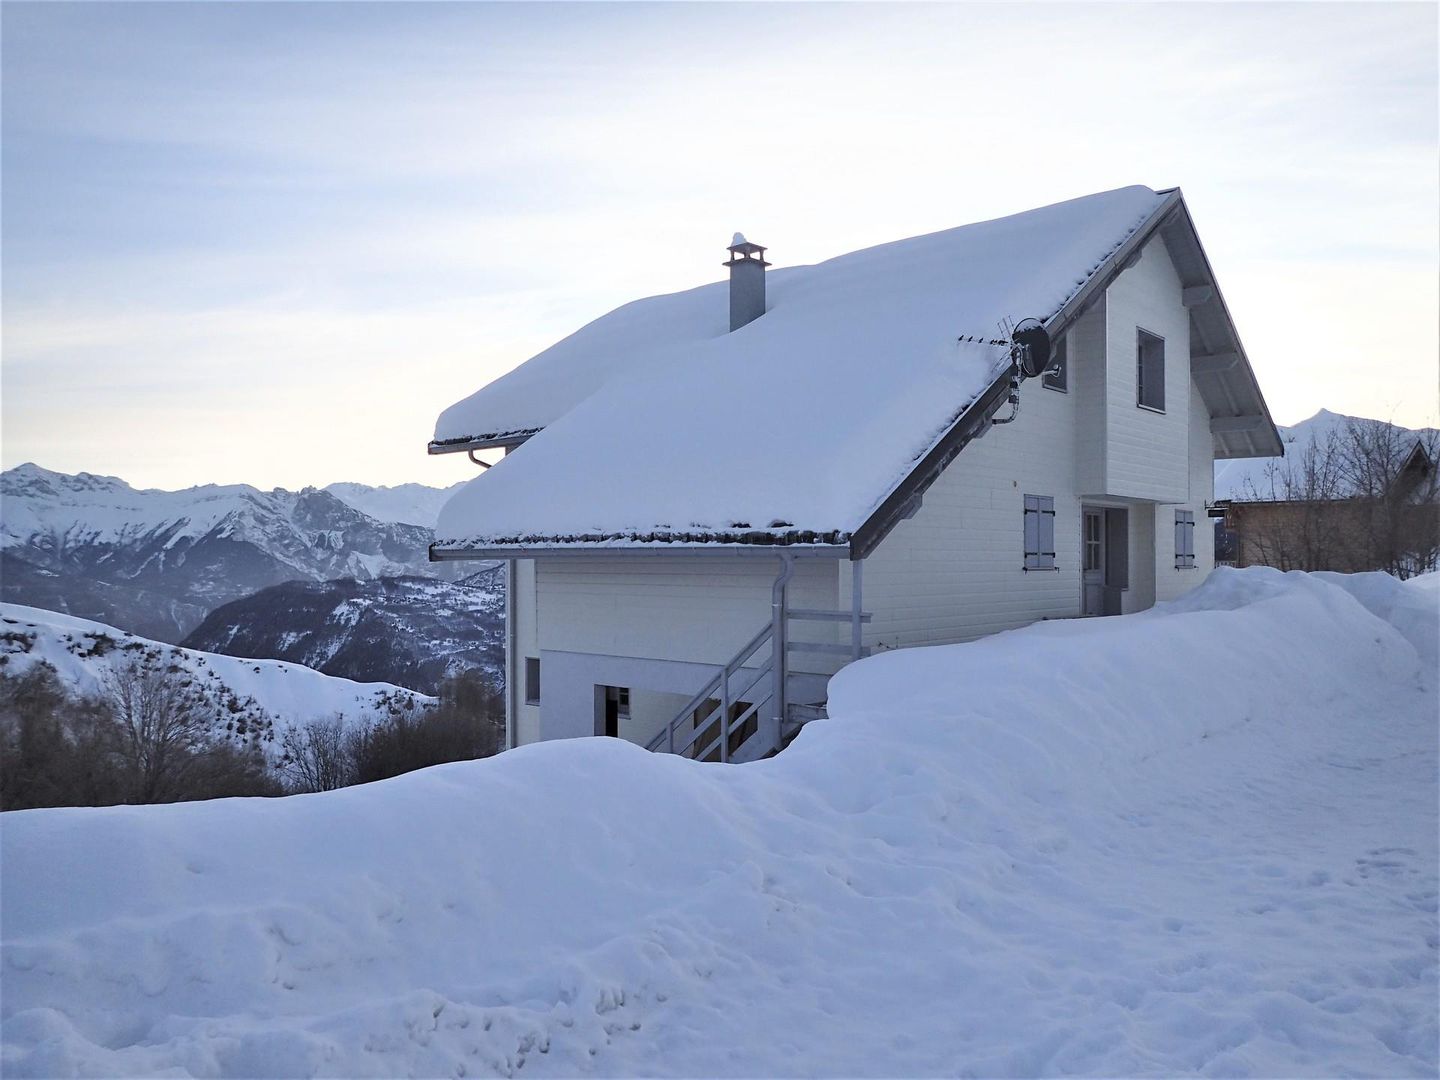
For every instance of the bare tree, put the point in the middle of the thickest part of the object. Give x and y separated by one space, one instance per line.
1392 474
161 725
1296 529
317 756
1360 497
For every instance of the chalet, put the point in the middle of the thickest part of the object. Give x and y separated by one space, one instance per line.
710 501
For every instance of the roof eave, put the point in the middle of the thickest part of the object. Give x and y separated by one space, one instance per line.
1262 436
541 550
507 440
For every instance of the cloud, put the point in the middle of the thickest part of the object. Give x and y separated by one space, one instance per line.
320 224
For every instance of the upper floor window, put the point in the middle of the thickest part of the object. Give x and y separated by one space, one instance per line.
1184 539
532 680
1039 532
1058 377
1150 370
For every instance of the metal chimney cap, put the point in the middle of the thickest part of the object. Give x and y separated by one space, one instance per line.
743 251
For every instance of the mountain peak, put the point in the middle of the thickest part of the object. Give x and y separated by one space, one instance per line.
32 479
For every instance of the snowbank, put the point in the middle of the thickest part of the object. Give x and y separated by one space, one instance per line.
1200 840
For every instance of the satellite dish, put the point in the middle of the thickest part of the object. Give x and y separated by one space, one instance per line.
1030 348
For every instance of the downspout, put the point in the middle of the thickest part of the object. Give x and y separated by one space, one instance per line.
779 645
857 607
511 637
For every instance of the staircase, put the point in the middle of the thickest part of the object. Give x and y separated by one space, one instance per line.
734 716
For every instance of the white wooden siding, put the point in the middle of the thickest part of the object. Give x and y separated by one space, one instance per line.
672 607
1146 452
1141 593
1169 581
1087 387
955 571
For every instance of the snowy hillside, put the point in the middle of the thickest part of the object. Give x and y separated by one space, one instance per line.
264 696
155 562
414 632
1242 478
1197 840
410 504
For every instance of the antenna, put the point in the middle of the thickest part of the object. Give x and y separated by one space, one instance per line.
1028 342
1030 348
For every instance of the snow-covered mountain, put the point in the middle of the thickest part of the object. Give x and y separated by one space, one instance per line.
156 562
410 631
1242 478
409 504
254 700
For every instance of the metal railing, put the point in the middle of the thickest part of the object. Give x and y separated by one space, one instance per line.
725 718
716 729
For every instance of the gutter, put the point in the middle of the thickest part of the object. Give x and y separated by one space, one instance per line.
506 440
638 547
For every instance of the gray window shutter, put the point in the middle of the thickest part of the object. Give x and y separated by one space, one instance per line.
1184 538
1032 529
1047 531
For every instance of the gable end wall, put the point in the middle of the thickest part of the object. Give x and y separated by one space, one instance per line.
1147 452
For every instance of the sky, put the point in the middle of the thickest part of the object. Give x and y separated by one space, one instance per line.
268 243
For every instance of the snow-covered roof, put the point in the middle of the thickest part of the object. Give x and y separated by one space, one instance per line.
659 425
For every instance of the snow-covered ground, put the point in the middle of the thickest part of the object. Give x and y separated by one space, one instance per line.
1198 840
270 695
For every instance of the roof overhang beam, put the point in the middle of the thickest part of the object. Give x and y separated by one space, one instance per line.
1221 425
1213 363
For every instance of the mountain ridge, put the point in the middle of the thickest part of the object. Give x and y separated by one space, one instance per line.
156 562
414 632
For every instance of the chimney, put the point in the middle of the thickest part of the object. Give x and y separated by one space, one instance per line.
747 281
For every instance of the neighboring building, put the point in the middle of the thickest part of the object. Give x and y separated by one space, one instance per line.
706 518
1349 495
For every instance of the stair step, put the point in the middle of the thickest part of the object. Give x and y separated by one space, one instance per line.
813 615
803 714
826 647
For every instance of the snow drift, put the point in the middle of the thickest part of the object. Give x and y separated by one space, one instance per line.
1201 839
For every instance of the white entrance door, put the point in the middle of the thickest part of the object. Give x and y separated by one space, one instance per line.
1092 547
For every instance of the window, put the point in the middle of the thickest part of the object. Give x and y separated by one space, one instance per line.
532 680
1184 539
1150 371
1094 540
614 708
1039 532
1058 378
